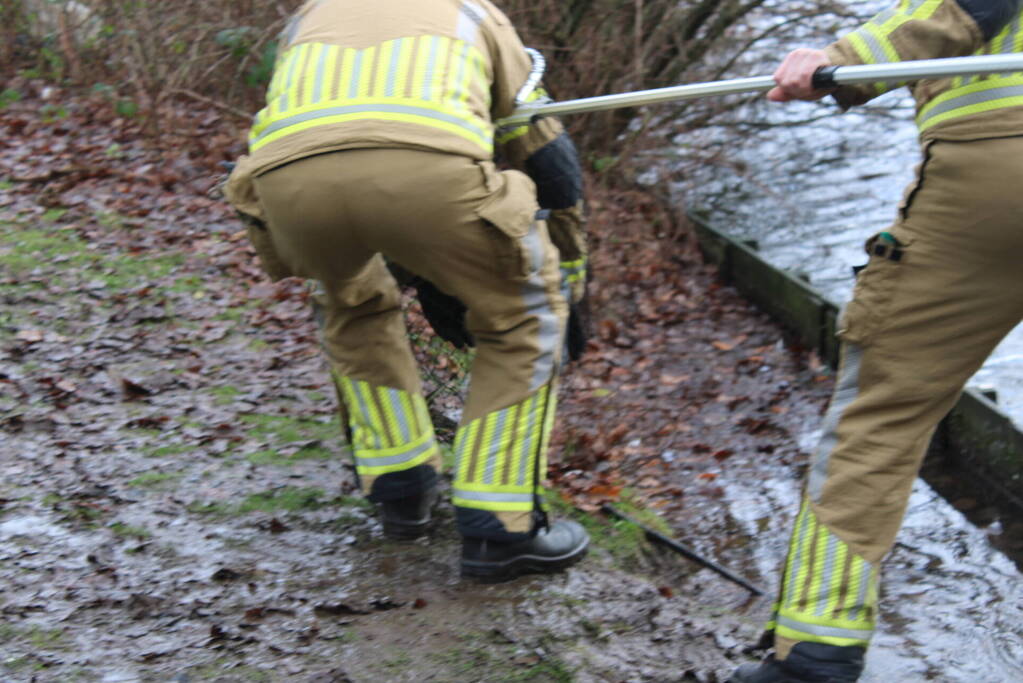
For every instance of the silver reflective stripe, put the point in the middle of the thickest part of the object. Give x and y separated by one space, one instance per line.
970 99
797 555
827 583
866 575
293 59
882 18
366 405
431 66
1010 40
398 411
537 302
846 391
493 449
353 85
470 16
876 49
321 66
392 69
915 5
825 631
372 109
387 461
490 497
527 439
463 60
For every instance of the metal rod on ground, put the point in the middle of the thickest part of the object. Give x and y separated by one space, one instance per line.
829 77
609 509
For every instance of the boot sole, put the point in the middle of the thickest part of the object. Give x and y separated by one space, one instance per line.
497 572
405 531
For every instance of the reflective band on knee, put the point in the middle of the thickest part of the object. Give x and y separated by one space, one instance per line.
500 456
391 429
828 593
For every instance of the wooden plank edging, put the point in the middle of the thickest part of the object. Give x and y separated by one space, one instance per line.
976 434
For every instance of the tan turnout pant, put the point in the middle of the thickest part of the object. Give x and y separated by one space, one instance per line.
943 286
473 232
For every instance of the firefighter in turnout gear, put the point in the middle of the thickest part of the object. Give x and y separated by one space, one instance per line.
377 146
940 290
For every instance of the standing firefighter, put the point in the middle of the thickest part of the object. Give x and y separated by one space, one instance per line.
377 143
941 289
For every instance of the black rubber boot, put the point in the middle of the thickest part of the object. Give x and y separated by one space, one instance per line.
406 519
806 663
551 549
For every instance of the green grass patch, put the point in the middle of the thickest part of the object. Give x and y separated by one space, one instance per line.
129 531
625 542
281 430
163 451
36 636
290 499
477 653
52 249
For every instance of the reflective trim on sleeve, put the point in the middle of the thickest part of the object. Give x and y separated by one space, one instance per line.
970 99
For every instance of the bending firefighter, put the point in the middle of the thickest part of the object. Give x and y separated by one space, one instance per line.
941 289
376 148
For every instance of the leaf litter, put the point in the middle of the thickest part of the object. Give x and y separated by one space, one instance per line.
177 500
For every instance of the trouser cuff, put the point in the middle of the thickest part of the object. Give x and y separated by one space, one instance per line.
403 484
473 523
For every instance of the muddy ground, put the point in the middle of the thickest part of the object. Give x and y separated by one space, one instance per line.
176 503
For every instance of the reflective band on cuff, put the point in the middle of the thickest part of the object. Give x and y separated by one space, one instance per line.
374 458
484 497
791 628
390 428
498 456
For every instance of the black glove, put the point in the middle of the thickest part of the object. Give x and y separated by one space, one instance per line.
445 313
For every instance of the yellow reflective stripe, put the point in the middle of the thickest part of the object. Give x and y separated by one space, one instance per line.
440 53
304 85
398 450
466 130
509 134
802 627
390 420
376 422
405 464
331 72
385 57
350 75
493 506
404 64
494 488
365 76
464 441
974 98
838 578
422 63
486 447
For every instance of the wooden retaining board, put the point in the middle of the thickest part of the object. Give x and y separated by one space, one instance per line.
976 434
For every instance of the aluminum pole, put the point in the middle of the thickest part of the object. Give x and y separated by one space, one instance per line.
829 77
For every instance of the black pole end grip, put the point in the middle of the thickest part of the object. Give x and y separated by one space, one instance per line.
824 78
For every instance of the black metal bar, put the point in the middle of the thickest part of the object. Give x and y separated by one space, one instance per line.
609 509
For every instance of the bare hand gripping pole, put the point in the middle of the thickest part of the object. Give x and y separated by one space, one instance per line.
824 79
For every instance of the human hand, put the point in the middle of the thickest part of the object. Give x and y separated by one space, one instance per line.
795 76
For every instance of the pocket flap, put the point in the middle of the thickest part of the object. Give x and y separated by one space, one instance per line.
512 208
